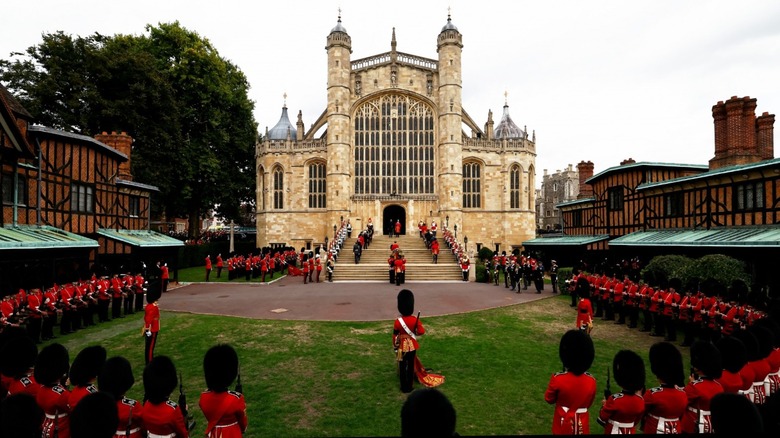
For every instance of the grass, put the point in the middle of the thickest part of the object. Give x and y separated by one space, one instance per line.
197 274
339 378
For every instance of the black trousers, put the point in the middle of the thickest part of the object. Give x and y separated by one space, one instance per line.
139 302
150 343
34 329
406 371
103 310
116 307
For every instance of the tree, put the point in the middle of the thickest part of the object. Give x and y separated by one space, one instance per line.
186 107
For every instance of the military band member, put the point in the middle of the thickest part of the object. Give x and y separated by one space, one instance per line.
620 412
747 373
129 293
116 379
665 404
317 268
707 366
464 267
34 316
761 366
572 390
20 416
116 297
161 416
51 370
225 410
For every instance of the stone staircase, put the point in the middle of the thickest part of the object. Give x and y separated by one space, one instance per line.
419 262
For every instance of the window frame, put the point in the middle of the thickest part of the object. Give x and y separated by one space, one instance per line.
82 197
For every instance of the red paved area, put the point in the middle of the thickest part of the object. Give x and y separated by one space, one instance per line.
345 301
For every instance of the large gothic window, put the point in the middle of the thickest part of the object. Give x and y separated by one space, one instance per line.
317 185
514 187
394 146
278 188
472 185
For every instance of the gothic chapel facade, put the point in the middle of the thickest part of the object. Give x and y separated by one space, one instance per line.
395 147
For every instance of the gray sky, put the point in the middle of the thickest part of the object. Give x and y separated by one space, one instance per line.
597 80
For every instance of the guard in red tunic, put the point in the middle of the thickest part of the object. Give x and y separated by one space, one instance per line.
761 366
734 355
317 267
84 373
116 379
573 389
305 267
34 316
151 329
397 228
161 416
665 404
464 267
584 319
707 366
208 267
116 297
772 383
263 269
620 412
220 265
225 410
51 369
165 276
18 359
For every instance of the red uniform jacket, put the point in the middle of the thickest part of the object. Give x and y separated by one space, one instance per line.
697 416
584 312
130 417
26 385
621 413
411 323
572 396
79 392
54 401
731 382
225 413
208 263
152 317
164 419
665 406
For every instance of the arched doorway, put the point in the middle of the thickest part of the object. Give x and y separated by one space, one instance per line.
390 215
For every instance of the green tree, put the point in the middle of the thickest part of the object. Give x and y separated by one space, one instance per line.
186 107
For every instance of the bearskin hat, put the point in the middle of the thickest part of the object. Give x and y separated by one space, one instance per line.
95 416
773 326
751 344
576 351
87 365
20 416
117 377
52 365
765 340
734 415
629 370
153 294
18 356
738 291
405 302
711 287
220 366
706 358
733 352
667 364
160 379
427 412
583 287
676 284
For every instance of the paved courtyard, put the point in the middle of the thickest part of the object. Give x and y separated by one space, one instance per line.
289 299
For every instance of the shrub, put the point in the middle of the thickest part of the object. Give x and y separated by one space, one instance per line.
485 253
563 275
718 267
481 273
662 268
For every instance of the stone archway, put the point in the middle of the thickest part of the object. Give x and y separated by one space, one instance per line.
393 213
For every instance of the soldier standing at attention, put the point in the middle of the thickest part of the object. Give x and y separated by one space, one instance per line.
554 276
225 410
706 364
208 267
665 404
116 379
84 372
573 389
161 416
164 276
620 413
220 265
151 327
51 370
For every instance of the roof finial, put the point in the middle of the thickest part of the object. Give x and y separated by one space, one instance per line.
506 98
339 14
393 42
285 99
449 13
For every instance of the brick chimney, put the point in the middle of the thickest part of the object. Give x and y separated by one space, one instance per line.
123 143
585 170
736 132
765 136
627 161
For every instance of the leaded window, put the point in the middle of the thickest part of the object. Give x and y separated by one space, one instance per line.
514 187
394 140
472 185
278 188
749 196
82 198
317 185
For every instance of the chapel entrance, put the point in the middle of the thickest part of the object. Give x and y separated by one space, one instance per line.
390 215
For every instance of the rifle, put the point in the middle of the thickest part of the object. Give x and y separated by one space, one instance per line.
188 418
608 389
416 323
129 421
239 386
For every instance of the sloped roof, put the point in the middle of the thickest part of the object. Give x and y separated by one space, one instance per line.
39 237
140 238
712 173
566 240
84 138
603 173
757 237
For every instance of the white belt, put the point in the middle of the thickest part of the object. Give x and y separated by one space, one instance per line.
617 425
225 425
701 415
154 435
661 427
54 417
124 432
578 411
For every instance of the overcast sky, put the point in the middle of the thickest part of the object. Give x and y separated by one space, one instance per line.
597 80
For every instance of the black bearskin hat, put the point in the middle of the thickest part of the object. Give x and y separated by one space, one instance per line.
733 352
87 365
765 340
405 302
711 287
117 377
667 364
153 294
629 370
576 351
706 358
52 364
20 416
160 379
738 291
427 412
220 365
735 415
18 356
750 342
583 287
95 416
676 284
773 326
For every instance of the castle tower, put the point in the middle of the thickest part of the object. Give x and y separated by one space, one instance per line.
450 144
339 47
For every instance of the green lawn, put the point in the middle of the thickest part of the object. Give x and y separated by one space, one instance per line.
198 274
339 378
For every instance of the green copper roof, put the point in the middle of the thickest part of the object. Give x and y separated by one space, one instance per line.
575 202
140 238
757 237
40 237
712 173
566 240
648 164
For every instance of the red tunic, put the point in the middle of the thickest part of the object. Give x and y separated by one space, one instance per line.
230 408
621 412
731 382
164 419
130 418
665 406
152 317
697 418
572 395
25 385
414 326
584 312
761 370
54 402
79 392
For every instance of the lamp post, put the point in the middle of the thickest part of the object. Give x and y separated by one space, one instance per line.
447 221
466 243
326 243
456 231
